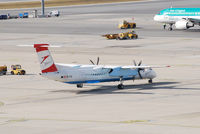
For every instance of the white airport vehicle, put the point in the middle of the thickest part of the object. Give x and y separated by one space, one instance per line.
95 73
54 13
182 18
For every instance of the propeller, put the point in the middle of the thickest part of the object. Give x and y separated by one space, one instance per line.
97 61
139 69
92 62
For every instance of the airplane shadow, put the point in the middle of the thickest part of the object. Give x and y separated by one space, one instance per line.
188 30
136 88
192 30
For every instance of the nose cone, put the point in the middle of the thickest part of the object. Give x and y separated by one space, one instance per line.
156 18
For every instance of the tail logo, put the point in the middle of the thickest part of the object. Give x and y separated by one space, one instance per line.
44 58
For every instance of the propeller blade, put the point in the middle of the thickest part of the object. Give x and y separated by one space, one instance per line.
139 74
134 63
97 60
140 63
92 62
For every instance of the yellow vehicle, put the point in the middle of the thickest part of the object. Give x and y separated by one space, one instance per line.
122 36
3 70
127 35
17 70
127 25
111 36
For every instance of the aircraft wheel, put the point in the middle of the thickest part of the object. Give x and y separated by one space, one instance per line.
150 81
170 29
120 86
23 72
79 85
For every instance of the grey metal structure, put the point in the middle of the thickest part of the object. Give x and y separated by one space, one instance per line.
42 5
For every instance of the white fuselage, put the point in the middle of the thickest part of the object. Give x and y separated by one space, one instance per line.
172 19
182 18
74 74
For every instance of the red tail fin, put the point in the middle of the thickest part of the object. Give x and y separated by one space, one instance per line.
45 59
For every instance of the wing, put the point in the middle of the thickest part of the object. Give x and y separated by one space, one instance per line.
127 71
135 67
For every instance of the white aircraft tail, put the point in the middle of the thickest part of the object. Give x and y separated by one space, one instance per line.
45 58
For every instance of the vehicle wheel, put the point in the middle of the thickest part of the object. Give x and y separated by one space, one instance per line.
12 73
18 73
136 36
120 86
134 25
23 72
4 73
128 26
150 81
119 38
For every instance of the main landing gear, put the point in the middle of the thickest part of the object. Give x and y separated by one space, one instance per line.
170 27
79 85
121 86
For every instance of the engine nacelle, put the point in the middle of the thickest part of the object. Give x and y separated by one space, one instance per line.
182 24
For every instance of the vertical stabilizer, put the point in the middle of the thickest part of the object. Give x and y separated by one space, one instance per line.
45 58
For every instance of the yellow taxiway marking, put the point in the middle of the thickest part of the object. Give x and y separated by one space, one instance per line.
138 122
13 121
1 103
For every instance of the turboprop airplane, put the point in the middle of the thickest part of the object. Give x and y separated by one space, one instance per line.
182 18
80 74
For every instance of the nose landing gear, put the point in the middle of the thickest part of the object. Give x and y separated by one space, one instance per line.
150 81
170 26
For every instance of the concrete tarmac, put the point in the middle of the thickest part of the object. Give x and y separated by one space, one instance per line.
32 104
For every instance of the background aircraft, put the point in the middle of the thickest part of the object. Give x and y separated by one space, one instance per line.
79 74
183 18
